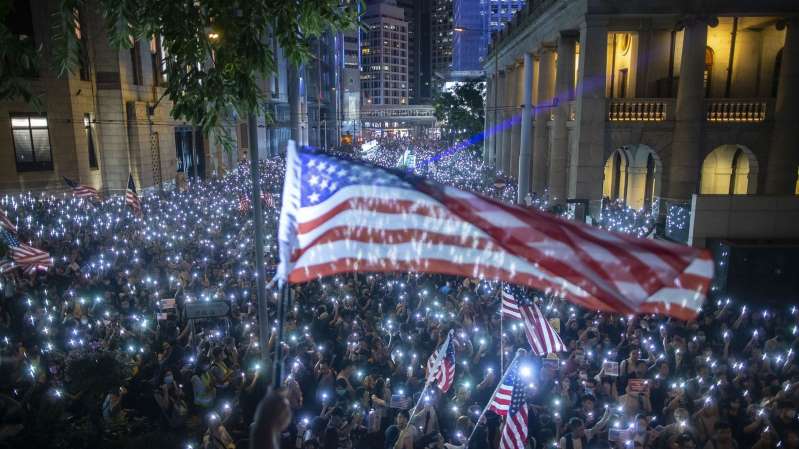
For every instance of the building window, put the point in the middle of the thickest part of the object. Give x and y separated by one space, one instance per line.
135 58
88 126
31 142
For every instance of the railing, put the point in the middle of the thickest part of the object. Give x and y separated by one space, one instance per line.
639 110
736 110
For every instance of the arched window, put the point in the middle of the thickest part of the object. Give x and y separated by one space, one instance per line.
708 69
775 77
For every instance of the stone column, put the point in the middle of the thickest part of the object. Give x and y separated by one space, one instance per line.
686 147
499 152
516 130
525 146
783 157
489 119
510 112
564 92
546 92
588 161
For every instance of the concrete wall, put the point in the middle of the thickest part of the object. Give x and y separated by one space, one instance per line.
743 217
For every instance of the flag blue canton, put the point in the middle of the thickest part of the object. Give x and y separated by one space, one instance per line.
9 238
450 355
322 176
519 385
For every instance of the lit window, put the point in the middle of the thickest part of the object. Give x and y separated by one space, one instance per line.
31 142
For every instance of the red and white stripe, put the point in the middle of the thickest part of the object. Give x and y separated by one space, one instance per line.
438 229
540 335
26 255
440 368
509 308
5 222
500 403
268 198
132 200
514 433
83 191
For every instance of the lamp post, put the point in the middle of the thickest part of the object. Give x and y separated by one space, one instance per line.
258 224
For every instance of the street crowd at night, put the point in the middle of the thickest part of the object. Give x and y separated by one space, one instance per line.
96 351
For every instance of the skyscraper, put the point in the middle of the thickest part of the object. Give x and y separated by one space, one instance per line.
474 23
384 51
417 14
442 39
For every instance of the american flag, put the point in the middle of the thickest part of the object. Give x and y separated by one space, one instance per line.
508 307
509 400
441 366
342 216
82 191
25 256
542 337
244 203
131 197
268 198
5 222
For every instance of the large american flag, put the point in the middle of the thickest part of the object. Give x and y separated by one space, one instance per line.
441 366
540 335
25 256
5 222
510 401
82 191
131 197
344 216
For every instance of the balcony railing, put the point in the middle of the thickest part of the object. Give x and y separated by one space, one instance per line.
736 110
639 110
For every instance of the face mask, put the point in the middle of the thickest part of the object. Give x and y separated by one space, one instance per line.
341 392
168 380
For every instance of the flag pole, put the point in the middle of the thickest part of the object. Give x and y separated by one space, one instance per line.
439 358
501 334
519 352
277 365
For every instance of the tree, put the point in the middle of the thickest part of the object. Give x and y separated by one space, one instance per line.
460 111
216 50
18 59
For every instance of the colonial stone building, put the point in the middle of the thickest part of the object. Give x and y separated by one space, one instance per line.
646 99
110 117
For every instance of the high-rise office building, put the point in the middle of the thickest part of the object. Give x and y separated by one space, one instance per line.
384 55
417 14
474 23
442 39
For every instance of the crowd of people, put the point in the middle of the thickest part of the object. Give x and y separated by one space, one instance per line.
99 350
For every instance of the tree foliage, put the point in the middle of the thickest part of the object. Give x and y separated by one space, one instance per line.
18 60
217 51
460 112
